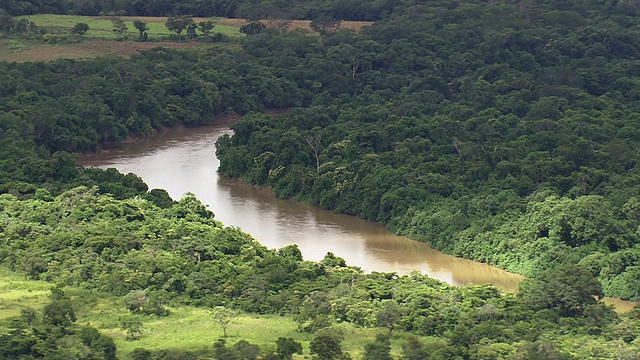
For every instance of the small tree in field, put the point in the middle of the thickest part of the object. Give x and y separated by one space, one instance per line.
119 27
80 29
142 28
223 317
205 28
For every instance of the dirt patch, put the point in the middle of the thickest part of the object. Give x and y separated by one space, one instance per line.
88 49
298 24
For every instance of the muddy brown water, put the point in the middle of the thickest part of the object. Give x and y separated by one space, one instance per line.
183 160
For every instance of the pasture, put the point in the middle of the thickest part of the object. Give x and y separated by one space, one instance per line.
101 27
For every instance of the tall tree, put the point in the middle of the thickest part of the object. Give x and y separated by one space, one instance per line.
178 24
142 28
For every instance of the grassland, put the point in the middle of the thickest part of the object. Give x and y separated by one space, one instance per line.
102 28
16 293
187 328
100 40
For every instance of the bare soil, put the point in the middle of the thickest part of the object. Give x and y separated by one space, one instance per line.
88 49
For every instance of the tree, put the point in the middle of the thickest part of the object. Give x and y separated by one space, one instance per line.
59 311
568 289
132 326
119 27
135 301
142 28
286 347
223 317
252 28
380 349
178 23
6 21
191 31
205 27
80 29
28 315
389 315
314 140
327 344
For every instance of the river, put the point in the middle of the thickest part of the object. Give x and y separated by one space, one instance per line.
183 160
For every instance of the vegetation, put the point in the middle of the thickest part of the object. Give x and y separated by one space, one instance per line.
181 255
489 129
346 10
52 28
500 136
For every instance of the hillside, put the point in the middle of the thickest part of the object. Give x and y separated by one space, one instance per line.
498 131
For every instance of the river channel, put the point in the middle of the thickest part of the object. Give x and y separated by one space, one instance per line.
183 160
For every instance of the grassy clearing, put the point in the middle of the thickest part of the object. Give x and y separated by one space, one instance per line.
100 40
17 293
191 329
187 328
102 28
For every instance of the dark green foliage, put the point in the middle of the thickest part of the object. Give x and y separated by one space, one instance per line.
489 138
57 337
142 28
351 9
180 23
286 347
59 312
252 28
327 344
380 349
241 350
569 290
499 131
80 29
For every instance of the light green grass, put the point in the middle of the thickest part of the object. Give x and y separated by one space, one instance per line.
17 293
102 27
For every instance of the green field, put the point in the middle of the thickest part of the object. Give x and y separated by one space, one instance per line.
16 293
187 328
102 27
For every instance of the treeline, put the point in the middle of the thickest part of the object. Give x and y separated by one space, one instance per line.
153 256
493 131
291 9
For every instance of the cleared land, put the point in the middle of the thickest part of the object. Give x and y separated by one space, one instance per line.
84 50
100 40
101 27
16 294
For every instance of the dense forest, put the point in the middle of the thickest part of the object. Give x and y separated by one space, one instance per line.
495 132
500 131
295 9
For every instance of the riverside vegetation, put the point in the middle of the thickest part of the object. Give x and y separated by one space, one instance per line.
497 131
